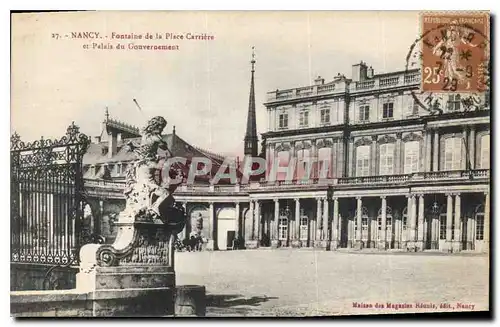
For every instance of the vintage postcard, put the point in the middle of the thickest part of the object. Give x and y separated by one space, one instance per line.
245 163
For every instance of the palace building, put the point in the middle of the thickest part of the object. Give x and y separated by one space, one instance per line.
390 173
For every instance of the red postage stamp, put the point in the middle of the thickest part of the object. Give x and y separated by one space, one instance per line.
455 51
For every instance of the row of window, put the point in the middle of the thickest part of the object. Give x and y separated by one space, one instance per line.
453 104
453 156
304 229
304 118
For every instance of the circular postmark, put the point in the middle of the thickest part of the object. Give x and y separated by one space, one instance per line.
453 55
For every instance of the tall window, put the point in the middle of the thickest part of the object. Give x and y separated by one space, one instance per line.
283 229
413 109
453 153
386 159
480 226
454 102
485 151
303 228
364 113
412 151
303 118
442 226
283 121
363 160
325 116
388 110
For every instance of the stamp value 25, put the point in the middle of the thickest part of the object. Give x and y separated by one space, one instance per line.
455 51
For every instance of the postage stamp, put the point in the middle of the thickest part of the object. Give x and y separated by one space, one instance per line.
455 51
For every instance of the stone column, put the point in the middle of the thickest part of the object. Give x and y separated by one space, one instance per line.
382 242
397 159
296 240
188 227
409 229
271 161
420 234
314 171
326 223
464 153
373 156
449 221
413 222
435 152
237 231
318 225
486 236
212 229
335 225
350 164
428 150
457 239
472 147
257 223
274 224
358 242
293 158
340 158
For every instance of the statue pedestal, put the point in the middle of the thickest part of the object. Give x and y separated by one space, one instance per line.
132 277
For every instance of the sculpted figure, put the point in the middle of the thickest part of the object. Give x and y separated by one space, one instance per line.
145 197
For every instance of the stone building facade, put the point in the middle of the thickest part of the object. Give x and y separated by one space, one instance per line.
389 173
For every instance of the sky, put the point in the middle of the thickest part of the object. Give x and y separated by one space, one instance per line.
203 88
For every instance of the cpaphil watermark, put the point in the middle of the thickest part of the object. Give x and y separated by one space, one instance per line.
181 170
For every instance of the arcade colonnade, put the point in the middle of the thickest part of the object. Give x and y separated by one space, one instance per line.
448 222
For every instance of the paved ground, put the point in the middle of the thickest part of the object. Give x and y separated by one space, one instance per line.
307 282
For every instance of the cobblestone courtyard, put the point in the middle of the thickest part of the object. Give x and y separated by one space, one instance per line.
306 282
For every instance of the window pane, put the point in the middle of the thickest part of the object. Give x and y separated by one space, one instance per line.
485 151
412 152
362 160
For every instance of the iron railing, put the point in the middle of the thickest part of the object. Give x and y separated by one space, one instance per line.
47 199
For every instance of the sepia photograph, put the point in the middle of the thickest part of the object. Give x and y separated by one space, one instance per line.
250 164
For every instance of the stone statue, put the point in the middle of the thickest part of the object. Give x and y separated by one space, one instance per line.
145 197
151 218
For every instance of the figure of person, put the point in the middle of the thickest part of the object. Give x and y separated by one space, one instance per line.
146 167
448 49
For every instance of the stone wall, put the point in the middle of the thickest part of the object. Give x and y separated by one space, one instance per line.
74 303
30 276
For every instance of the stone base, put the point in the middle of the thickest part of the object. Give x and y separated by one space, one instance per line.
317 244
157 302
296 244
456 246
275 244
325 245
251 244
106 278
358 245
210 245
434 245
419 245
334 245
381 245
190 300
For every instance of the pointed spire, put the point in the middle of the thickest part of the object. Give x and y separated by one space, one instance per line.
106 114
251 139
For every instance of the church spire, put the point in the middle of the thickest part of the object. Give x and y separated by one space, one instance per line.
251 139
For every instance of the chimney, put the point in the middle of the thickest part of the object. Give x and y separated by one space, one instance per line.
112 144
369 72
97 139
359 72
319 81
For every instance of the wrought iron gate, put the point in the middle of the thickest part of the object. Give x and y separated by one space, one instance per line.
47 198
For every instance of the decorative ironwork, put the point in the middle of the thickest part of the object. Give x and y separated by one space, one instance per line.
47 198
